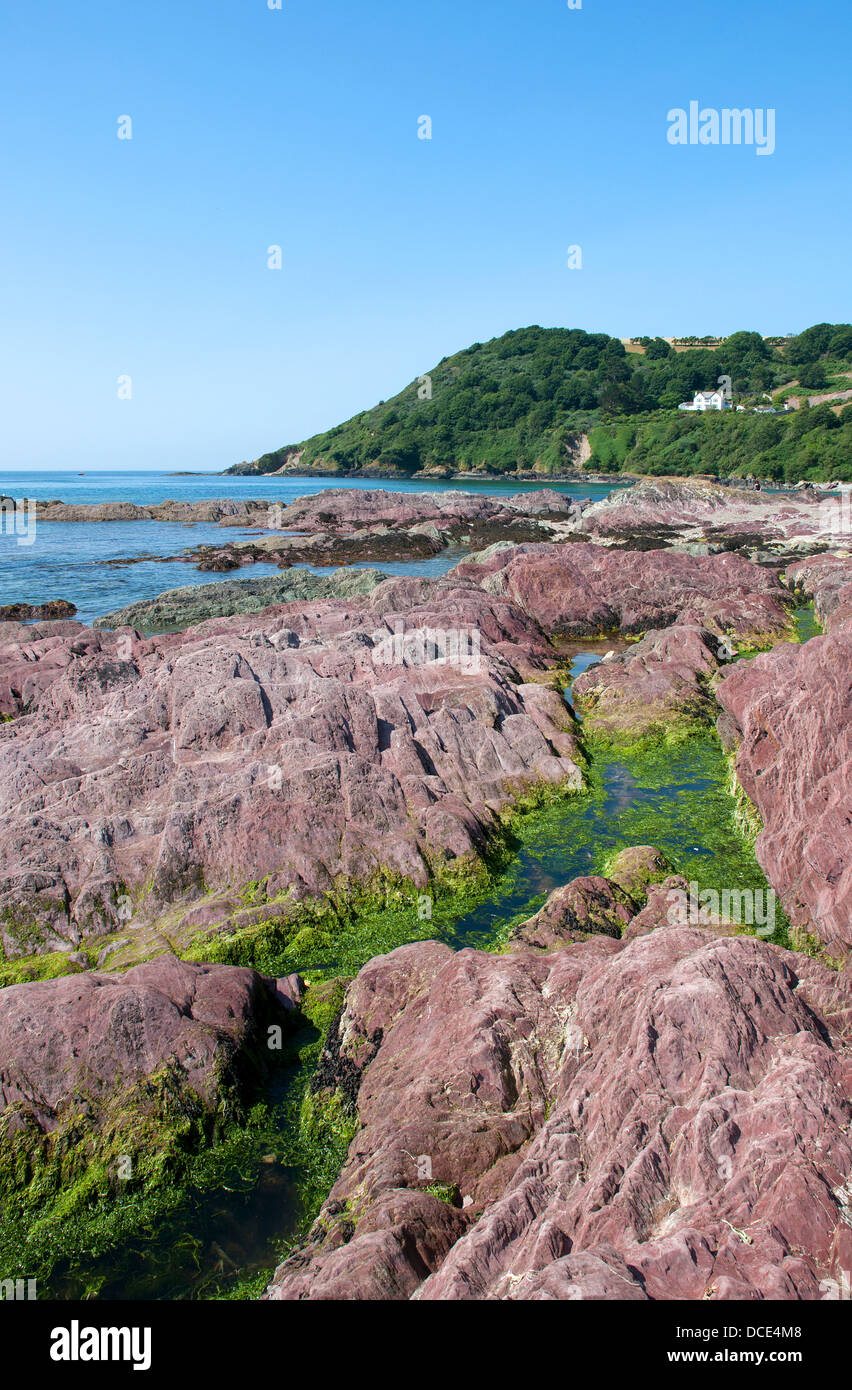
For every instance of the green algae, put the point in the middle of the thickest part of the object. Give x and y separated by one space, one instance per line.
673 795
163 1238
745 813
808 944
447 1193
675 790
807 623
328 938
338 933
198 1176
25 969
316 1126
69 1217
656 741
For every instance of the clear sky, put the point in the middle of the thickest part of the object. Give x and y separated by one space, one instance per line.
298 127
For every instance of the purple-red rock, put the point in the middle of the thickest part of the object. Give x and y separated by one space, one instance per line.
582 589
666 510
314 745
660 684
336 508
89 1037
31 658
666 1119
585 906
595 904
827 579
792 718
224 511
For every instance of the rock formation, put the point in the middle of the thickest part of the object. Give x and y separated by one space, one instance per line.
664 1119
180 608
35 612
316 746
673 510
659 686
792 728
581 589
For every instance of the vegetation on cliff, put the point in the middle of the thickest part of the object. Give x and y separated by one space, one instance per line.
525 400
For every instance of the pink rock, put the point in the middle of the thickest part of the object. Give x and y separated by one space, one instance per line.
91 1036
653 685
31 657
667 1119
579 908
792 709
316 744
827 579
692 509
581 589
334 508
289 990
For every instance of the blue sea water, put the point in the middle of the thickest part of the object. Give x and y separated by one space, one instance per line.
68 560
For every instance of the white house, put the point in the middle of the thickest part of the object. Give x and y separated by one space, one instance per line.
707 400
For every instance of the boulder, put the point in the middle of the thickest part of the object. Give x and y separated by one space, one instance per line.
658 686
598 904
92 1035
114 1085
583 907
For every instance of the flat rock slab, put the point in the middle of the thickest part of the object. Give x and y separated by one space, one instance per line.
336 508
196 603
669 510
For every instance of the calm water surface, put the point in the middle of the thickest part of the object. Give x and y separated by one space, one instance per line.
67 560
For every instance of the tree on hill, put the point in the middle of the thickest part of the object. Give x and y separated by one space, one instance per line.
525 398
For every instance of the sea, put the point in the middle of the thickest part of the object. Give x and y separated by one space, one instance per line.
72 560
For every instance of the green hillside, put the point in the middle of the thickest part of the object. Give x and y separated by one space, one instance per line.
525 401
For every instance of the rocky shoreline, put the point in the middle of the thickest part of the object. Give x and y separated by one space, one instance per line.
343 526
184 607
608 1103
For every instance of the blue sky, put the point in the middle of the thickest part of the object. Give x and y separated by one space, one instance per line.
255 127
